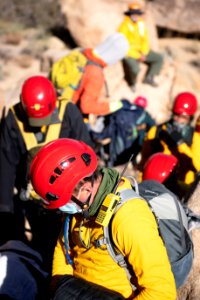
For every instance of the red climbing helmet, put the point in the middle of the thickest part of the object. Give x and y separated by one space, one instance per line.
185 104
141 101
159 166
58 167
38 98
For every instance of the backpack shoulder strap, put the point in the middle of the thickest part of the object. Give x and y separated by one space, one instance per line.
29 137
52 131
125 195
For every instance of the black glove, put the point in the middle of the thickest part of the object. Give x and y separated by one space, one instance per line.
177 137
173 139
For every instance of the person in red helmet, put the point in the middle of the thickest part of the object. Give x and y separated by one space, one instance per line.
38 118
178 137
73 182
163 168
38 99
159 167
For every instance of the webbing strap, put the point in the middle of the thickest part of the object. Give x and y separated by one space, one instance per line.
183 241
66 239
52 131
125 195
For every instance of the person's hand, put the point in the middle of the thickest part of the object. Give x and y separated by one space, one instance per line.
142 58
114 106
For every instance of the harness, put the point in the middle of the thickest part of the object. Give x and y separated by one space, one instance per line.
33 143
52 131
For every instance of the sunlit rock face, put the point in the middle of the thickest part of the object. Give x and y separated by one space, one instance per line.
179 15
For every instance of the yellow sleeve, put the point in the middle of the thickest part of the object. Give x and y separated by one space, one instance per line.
195 150
136 235
123 28
191 152
151 134
60 264
145 42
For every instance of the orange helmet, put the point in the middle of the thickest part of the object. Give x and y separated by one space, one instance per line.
38 98
185 104
159 166
134 8
134 5
58 167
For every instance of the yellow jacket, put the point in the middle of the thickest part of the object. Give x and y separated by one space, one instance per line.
135 233
137 35
189 156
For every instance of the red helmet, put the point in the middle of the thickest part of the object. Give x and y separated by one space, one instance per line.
159 166
185 104
58 167
38 98
141 101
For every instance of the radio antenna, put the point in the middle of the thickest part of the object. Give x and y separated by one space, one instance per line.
122 173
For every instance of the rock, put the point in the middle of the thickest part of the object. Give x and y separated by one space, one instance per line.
191 289
89 24
179 15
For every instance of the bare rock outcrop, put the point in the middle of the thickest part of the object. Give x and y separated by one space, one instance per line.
90 22
179 15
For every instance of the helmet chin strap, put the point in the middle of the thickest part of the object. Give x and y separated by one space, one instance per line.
83 205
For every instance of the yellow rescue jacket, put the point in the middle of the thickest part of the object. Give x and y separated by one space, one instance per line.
135 233
192 152
137 36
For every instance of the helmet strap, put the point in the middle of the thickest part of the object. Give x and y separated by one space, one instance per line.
83 205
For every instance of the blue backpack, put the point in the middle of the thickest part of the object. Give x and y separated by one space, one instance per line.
122 128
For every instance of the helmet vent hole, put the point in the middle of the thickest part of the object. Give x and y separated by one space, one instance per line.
57 171
71 159
52 179
86 158
51 197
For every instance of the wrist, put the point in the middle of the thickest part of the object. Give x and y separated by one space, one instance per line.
114 106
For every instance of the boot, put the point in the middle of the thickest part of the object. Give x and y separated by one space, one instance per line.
149 80
133 87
